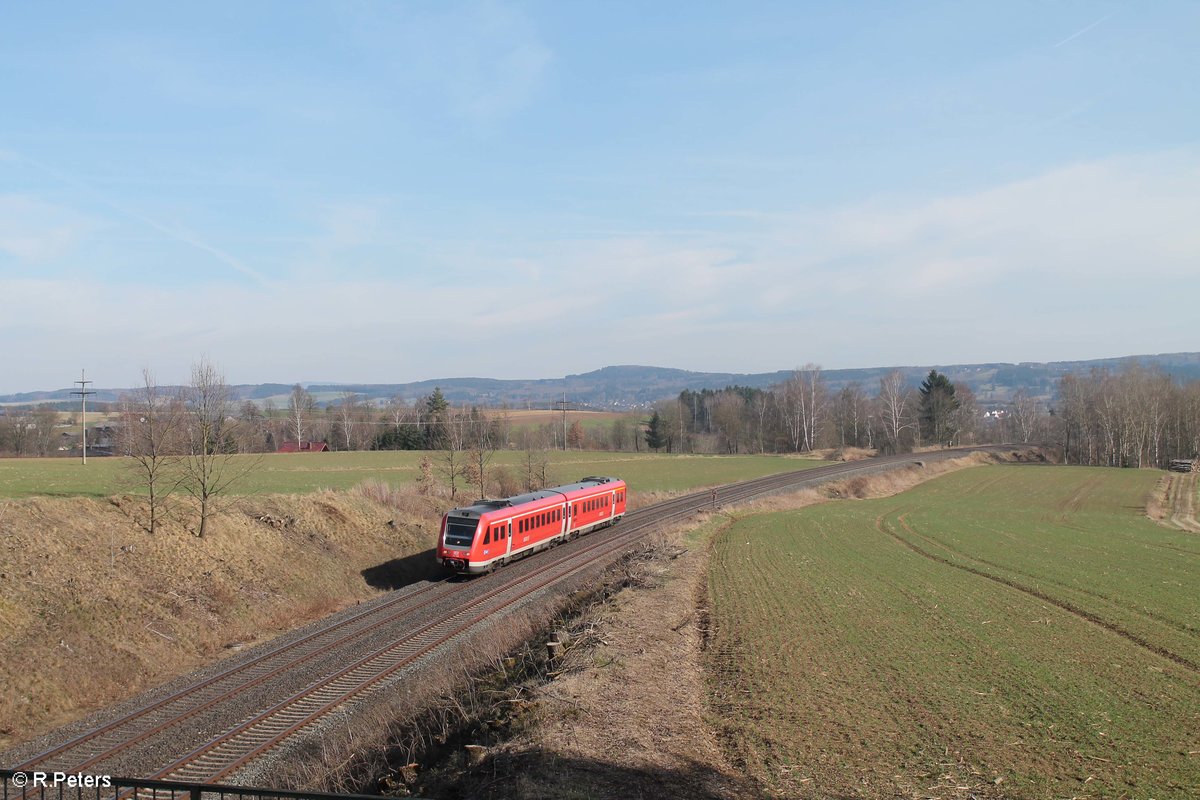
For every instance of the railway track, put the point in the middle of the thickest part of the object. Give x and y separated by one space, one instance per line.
359 654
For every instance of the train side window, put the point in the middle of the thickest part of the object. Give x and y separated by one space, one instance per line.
487 536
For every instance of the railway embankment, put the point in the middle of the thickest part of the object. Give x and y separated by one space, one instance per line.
93 608
616 708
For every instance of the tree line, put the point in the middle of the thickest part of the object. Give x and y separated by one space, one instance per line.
802 414
1132 417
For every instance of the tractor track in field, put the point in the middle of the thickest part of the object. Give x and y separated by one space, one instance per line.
1181 496
211 726
1063 605
1159 618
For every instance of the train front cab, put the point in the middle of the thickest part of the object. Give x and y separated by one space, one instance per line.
455 542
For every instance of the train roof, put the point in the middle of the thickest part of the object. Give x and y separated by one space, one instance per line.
585 483
484 506
480 507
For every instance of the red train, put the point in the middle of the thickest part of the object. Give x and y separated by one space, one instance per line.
482 536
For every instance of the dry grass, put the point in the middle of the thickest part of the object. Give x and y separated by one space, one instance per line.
620 714
105 609
453 728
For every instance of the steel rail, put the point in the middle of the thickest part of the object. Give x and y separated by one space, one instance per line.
388 610
228 752
610 541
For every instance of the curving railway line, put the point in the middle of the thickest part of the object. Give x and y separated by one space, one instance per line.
209 730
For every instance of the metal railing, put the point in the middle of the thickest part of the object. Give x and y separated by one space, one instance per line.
49 785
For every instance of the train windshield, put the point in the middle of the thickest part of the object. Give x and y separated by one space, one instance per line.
460 532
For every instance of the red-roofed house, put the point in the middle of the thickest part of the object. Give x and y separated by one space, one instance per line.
303 447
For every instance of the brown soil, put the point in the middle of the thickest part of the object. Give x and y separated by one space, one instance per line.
1181 496
631 721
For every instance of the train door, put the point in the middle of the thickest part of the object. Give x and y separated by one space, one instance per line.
508 539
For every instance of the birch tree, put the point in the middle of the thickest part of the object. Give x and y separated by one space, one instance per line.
895 408
301 406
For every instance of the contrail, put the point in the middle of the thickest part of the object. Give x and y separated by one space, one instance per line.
1082 31
178 235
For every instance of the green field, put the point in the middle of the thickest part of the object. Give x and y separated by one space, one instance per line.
308 472
1021 624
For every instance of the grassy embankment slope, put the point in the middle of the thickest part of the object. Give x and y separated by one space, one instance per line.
1003 631
93 608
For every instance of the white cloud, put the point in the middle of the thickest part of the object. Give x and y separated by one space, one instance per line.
1091 260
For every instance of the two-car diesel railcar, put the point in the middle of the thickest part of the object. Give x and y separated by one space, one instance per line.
488 533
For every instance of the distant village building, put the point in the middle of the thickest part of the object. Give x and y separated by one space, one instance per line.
303 447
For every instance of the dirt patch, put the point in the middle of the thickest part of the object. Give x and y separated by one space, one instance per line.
1173 503
629 718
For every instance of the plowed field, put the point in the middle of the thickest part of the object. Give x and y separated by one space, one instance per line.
1002 631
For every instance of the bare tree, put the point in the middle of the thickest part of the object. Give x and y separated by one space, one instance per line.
151 423
535 460
760 407
895 409
802 405
210 465
350 415
1026 416
44 421
850 415
452 461
253 428
618 434
966 416
727 412
300 410
481 439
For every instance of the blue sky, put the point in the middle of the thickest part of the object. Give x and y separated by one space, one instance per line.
386 192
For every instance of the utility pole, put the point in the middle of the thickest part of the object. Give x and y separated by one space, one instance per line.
565 407
83 392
